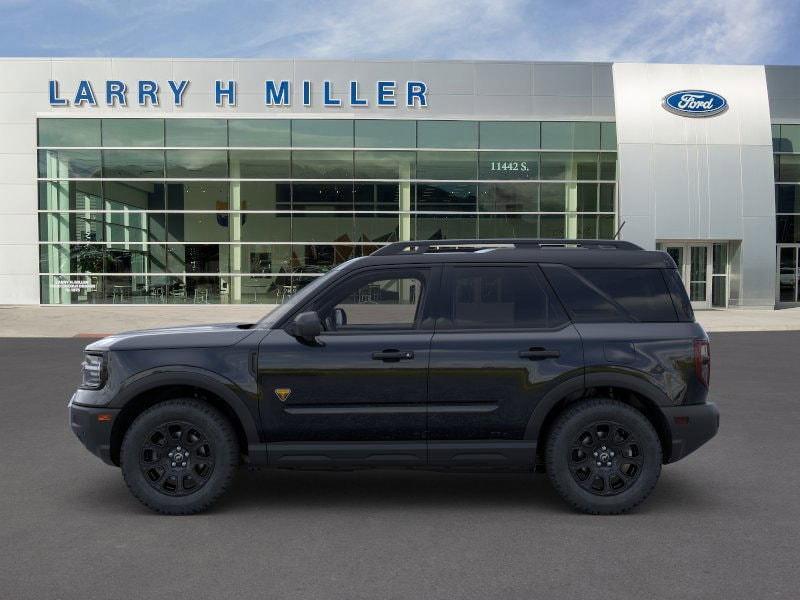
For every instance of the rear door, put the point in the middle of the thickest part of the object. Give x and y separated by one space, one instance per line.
502 342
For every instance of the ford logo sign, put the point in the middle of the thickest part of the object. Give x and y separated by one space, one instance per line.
695 103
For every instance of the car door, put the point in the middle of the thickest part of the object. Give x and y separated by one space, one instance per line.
359 394
502 342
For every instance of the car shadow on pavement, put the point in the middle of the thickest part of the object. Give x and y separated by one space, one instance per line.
391 490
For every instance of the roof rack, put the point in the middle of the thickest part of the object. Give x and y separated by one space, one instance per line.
470 245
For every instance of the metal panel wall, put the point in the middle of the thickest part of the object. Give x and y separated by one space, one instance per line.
699 178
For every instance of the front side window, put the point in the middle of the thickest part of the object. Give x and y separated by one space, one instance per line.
494 297
378 302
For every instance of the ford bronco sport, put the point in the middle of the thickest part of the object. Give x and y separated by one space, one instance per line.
581 358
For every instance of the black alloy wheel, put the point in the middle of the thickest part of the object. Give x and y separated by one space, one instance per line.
179 456
605 459
176 458
603 456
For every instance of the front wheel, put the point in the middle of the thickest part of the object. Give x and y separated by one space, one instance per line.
603 456
178 457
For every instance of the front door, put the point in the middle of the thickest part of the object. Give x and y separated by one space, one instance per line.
502 342
359 394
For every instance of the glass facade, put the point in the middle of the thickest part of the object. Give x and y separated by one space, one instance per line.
249 210
786 148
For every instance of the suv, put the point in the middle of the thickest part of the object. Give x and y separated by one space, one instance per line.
581 358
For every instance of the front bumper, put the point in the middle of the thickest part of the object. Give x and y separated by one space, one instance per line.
92 425
690 426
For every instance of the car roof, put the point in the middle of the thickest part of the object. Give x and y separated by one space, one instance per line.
573 253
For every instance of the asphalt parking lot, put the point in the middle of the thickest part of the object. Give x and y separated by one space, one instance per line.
724 523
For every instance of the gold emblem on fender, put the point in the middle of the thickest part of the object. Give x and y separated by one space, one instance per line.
282 393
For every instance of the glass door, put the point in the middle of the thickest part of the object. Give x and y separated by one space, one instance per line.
703 269
787 274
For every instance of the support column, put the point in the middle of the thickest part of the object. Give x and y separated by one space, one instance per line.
235 235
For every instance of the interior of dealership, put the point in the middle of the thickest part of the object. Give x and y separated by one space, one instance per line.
200 210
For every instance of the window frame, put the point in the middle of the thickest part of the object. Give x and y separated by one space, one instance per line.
429 275
444 298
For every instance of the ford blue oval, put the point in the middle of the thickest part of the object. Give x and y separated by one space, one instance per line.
695 103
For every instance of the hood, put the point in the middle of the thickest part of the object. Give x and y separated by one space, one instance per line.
190 336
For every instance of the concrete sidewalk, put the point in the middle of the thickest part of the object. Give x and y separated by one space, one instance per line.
94 321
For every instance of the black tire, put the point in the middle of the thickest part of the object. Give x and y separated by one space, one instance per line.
185 481
611 433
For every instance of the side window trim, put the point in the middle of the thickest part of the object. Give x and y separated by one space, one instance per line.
443 304
429 282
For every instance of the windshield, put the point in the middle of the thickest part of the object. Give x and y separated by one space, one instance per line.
301 297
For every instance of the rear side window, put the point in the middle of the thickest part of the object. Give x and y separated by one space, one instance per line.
613 295
498 297
641 292
680 298
585 302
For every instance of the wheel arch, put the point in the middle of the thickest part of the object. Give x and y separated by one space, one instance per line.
629 389
151 388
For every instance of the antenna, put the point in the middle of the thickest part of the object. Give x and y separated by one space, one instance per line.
616 235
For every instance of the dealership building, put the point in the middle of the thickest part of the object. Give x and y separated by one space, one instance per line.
133 181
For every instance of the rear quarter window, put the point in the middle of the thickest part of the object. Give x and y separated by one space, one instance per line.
641 292
612 295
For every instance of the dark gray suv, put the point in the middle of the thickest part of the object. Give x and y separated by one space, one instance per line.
581 358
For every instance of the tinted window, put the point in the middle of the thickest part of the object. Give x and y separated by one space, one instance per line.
585 302
680 300
642 292
594 295
498 298
379 301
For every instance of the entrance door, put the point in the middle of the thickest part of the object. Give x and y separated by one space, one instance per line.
788 274
694 262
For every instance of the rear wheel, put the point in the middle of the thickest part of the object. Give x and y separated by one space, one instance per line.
178 457
603 456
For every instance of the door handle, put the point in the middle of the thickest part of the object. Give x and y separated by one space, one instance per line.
393 355
538 353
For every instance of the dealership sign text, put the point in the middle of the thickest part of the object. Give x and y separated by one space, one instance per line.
276 93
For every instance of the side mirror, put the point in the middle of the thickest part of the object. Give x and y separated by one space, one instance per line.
306 327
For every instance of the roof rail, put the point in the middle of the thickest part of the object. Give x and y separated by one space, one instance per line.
423 246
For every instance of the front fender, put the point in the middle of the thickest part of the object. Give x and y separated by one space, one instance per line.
243 404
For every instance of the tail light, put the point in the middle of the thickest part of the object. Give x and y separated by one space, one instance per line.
702 361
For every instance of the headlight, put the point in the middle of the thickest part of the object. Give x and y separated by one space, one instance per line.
93 371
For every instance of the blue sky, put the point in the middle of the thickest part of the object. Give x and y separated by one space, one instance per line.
699 31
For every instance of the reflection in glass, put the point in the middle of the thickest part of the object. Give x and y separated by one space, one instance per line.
446 197
385 165
260 164
447 134
198 195
445 227
133 163
322 196
197 164
500 135
508 197
322 164
197 132
322 133
265 133
63 164
508 226
385 133
447 165
133 132
69 132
